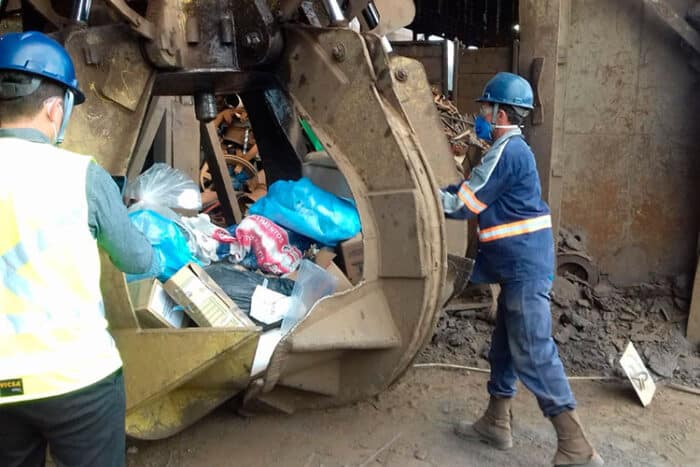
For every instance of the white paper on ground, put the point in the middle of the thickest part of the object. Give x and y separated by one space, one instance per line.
268 306
266 346
638 375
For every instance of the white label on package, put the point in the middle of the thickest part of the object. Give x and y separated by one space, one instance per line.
210 308
174 316
165 306
268 306
195 290
160 299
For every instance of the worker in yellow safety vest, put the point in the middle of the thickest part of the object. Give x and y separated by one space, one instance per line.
60 371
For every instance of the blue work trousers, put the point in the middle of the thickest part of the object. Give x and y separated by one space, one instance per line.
522 347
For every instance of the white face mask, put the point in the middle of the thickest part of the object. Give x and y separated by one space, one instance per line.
493 109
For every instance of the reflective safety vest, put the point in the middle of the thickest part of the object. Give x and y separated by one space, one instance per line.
53 333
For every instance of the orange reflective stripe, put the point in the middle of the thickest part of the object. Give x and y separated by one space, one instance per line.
470 200
515 228
510 225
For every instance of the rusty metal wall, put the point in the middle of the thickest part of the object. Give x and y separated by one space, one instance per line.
542 59
629 148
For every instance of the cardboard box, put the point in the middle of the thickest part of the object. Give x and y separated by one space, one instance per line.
352 256
324 258
343 283
153 306
203 299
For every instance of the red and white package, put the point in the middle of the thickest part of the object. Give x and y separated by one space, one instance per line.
270 244
222 236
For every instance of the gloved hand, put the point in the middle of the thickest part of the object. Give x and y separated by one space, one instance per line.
450 201
452 189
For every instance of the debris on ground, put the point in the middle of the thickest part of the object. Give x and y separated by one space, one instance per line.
425 404
420 454
591 325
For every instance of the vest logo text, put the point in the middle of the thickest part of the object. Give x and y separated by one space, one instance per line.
11 387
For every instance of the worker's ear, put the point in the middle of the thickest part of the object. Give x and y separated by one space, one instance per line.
502 117
54 109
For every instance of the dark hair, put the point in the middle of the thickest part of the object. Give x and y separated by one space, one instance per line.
26 106
516 115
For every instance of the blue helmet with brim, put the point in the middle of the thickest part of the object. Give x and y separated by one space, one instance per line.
508 88
37 54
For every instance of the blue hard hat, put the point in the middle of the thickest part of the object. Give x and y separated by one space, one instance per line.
508 88
36 53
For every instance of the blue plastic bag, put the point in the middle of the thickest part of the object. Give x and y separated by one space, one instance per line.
304 208
238 179
168 242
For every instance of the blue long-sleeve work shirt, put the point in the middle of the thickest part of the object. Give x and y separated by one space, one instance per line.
504 193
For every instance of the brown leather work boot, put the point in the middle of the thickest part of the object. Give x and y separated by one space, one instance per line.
492 428
573 448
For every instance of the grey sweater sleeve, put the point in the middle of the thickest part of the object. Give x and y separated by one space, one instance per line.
109 223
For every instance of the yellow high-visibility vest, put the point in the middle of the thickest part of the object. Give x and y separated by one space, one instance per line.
53 333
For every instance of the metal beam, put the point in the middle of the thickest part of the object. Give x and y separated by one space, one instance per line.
219 173
185 137
543 42
693 15
675 22
151 123
46 10
137 22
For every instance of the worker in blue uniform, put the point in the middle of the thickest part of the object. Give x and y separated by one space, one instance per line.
516 250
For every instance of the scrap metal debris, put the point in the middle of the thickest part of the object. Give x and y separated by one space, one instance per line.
591 323
242 159
458 128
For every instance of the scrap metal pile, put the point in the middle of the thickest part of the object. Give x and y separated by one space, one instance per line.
467 148
242 159
592 322
458 128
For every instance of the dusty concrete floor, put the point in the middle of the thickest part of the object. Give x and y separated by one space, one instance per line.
591 327
420 409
